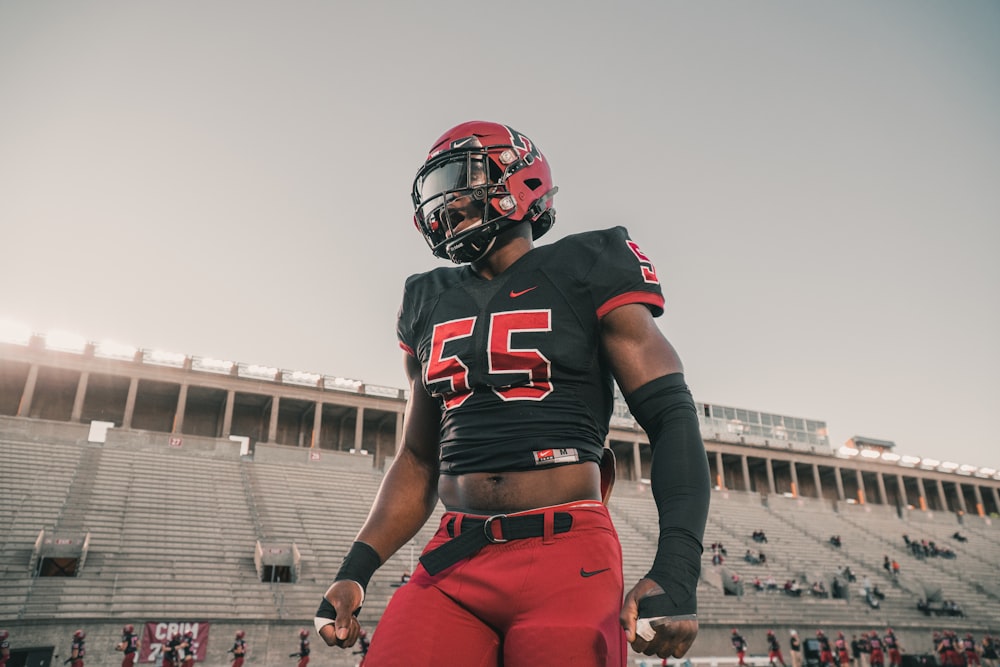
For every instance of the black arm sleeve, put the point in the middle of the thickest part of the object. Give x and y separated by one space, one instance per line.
681 489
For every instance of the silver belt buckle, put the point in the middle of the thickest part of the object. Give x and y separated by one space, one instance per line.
489 532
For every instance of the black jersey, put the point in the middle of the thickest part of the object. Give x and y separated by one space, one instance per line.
516 361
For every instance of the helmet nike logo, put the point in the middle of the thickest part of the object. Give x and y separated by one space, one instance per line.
585 573
514 294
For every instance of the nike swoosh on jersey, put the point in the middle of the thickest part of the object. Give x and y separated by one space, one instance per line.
514 294
585 573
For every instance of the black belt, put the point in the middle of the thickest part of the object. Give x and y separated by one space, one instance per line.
477 533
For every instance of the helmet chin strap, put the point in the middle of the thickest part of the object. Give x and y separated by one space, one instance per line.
472 248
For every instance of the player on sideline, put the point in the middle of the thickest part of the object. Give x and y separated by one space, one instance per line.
128 645
303 654
510 359
239 649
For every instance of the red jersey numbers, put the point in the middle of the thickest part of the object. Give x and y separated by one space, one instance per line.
503 358
450 369
648 270
529 361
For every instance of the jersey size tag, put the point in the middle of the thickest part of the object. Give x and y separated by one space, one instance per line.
547 456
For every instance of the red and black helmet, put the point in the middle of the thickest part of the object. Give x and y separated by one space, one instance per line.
486 172
128 628
240 634
303 633
4 634
79 634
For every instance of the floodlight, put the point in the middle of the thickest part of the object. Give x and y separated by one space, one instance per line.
847 451
14 332
891 457
258 371
341 384
966 468
910 460
301 377
65 341
870 453
987 471
210 365
109 349
930 463
949 465
163 358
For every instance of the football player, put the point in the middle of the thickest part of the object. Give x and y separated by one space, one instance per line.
511 358
128 645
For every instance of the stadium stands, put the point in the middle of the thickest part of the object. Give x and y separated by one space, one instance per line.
172 534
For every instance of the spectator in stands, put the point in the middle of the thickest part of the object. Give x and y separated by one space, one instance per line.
403 578
759 536
128 645
77 649
990 651
5 647
835 541
886 565
717 546
716 558
893 648
849 573
795 649
303 653
481 423
751 558
774 649
771 583
959 536
876 593
740 646
761 558
953 608
239 649
792 588
924 606
837 590
819 589
758 584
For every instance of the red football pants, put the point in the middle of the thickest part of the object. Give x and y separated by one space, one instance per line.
551 600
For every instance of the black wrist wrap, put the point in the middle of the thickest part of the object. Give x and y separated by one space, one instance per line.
681 486
359 564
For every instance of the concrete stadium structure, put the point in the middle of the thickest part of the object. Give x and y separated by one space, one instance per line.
145 487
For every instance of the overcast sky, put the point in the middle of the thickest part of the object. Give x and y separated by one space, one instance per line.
817 183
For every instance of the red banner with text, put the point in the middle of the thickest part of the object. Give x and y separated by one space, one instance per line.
157 635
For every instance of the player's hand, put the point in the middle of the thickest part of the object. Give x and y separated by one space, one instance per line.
671 639
345 597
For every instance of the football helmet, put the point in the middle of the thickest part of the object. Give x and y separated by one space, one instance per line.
303 633
479 179
4 634
240 634
128 628
79 634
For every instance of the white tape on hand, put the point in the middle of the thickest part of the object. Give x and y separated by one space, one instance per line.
644 629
